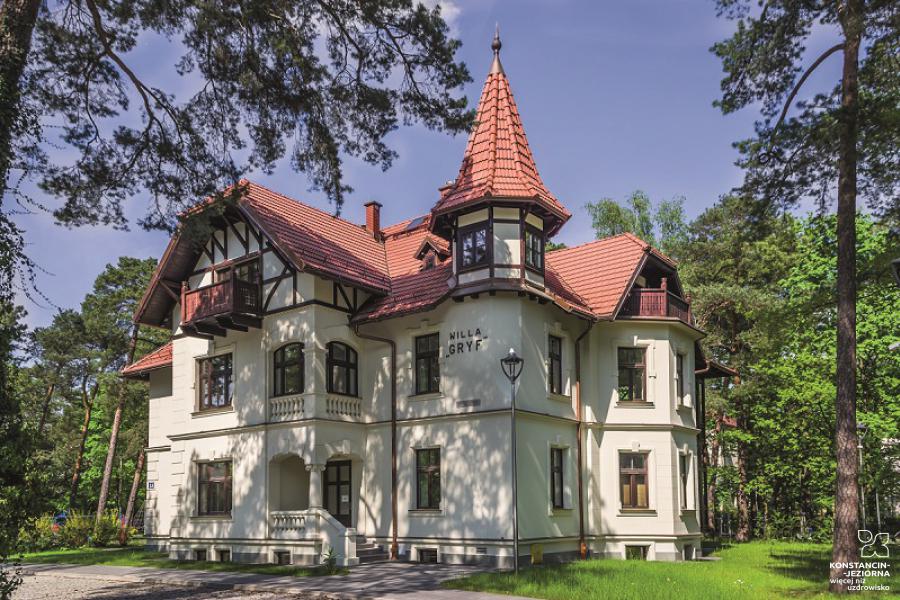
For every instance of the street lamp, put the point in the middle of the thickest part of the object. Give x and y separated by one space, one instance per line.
861 429
512 368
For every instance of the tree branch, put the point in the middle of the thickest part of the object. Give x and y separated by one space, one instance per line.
790 99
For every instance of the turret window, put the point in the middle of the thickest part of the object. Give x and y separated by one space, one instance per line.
473 246
534 248
288 363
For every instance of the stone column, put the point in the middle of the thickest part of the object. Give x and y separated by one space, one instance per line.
315 485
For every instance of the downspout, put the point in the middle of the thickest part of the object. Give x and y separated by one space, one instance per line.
393 345
579 426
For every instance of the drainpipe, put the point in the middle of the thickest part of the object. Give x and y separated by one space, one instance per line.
393 345
579 420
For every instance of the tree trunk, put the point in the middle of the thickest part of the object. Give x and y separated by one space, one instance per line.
17 20
114 433
846 498
135 484
45 410
88 404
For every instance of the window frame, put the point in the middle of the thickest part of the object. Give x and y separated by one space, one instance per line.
684 465
557 477
348 365
555 374
680 383
632 367
471 230
428 471
205 380
632 473
279 366
226 481
433 365
540 251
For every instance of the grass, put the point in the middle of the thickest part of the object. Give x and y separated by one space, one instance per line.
758 570
136 556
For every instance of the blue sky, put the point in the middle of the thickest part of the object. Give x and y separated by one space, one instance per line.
614 96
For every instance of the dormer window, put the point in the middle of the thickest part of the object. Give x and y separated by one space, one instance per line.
428 261
473 246
534 248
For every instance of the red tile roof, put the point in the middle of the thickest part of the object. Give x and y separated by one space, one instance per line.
318 241
600 271
498 161
159 358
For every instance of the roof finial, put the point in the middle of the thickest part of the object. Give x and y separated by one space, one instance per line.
496 67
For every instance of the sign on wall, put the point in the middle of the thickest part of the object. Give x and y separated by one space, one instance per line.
464 341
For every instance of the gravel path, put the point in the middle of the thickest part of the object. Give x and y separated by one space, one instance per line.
45 586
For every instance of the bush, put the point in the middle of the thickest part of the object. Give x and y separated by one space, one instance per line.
77 530
106 529
10 578
40 534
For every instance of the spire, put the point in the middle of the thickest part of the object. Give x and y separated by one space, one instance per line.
498 162
496 67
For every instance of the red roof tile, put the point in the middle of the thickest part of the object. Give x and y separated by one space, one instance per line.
599 272
159 358
498 161
318 241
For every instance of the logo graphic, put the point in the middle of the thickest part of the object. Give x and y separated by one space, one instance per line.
874 545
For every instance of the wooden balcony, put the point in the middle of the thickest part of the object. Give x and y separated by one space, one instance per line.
212 310
657 302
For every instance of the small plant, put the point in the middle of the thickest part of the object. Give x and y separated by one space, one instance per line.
77 530
10 577
330 562
106 529
40 534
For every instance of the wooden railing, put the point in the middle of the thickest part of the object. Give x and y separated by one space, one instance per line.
226 297
649 302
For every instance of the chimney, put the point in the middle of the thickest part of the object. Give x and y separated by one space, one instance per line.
373 219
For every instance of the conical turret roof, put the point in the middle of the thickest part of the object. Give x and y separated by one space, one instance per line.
498 164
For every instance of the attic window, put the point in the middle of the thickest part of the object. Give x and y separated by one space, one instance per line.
428 261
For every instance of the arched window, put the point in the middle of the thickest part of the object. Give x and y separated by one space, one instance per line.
342 369
288 376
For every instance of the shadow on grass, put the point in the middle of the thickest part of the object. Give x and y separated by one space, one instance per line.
805 565
137 557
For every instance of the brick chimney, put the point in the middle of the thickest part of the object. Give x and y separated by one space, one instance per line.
373 218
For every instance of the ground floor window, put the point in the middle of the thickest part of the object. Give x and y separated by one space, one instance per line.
636 552
428 478
633 480
556 476
224 555
214 488
200 555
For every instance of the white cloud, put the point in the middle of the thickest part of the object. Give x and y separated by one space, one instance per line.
449 10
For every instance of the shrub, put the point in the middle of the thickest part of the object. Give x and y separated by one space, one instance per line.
10 578
77 530
106 529
39 534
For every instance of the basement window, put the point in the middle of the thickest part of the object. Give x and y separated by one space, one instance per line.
200 555
636 552
428 555
282 557
224 555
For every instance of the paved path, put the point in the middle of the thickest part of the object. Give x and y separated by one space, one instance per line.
396 581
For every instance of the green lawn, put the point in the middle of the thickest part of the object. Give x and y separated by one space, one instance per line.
758 570
136 556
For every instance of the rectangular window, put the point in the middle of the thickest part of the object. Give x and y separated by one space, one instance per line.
534 248
428 370
633 480
636 552
556 477
684 465
200 555
215 382
247 271
342 364
632 371
428 478
679 378
214 488
224 555
473 246
555 346
282 557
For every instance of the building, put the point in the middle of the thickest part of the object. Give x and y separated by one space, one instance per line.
338 386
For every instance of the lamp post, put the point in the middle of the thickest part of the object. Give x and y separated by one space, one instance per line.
512 368
861 429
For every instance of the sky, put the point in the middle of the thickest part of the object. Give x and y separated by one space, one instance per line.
614 96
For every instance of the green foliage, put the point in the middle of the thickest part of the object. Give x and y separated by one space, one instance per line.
10 579
664 228
106 529
77 530
40 534
329 561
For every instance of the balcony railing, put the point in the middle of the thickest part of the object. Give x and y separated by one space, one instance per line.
230 297
648 302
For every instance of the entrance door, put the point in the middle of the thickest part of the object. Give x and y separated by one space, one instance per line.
337 491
